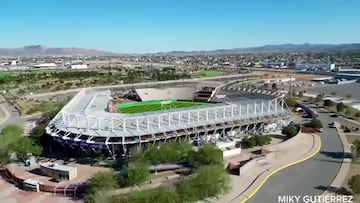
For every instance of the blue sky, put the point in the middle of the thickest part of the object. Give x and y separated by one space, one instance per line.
140 26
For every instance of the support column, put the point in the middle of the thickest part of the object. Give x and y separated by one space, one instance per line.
169 117
255 108
69 123
98 119
224 112
232 111
189 116
112 124
124 125
87 123
159 125
63 118
137 124
207 114
76 121
148 123
179 113
262 107
198 115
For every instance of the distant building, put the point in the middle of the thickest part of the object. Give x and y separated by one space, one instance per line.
45 65
315 66
78 66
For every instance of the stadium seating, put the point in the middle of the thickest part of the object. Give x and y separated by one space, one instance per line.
179 93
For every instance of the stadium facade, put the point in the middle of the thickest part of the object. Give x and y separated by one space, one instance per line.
86 123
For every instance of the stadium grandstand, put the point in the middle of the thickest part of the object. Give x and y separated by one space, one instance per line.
158 115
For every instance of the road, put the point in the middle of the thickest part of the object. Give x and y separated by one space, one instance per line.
13 115
312 176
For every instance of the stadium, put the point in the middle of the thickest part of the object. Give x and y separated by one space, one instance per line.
116 121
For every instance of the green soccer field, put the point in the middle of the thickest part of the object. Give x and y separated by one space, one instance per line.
141 107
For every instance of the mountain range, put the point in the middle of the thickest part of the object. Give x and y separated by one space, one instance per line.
39 50
282 48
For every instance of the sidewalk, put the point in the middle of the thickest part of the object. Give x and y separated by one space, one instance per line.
244 187
344 168
5 114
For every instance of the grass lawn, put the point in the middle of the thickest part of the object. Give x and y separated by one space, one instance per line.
204 74
141 107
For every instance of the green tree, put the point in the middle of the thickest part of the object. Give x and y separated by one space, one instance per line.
301 93
348 96
211 181
354 183
207 154
340 107
357 114
10 134
315 123
319 98
290 131
134 173
4 155
291 102
328 102
102 181
68 84
24 146
349 111
274 87
187 191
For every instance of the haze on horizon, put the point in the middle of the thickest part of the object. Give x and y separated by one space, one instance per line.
141 26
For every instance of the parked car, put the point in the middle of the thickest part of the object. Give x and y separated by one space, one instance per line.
333 115
332 125
320 130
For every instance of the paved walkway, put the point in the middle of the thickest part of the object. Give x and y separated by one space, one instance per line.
244 187
9 193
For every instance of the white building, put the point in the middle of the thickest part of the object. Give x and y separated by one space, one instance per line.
45 65
78 66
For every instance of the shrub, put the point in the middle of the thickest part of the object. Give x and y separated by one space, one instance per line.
291 102
328 102
290 131
319 98
315 123
340 107
355 184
